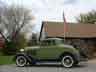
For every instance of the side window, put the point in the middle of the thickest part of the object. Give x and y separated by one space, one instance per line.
44 43
51 42
48 42
54 43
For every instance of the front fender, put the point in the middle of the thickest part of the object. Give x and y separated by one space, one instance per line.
76 56
22 54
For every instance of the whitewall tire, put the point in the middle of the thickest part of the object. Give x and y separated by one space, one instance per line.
21 61
67 61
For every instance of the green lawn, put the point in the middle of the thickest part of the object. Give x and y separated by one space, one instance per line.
6 60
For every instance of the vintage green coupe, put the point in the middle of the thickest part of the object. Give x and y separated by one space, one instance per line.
48 50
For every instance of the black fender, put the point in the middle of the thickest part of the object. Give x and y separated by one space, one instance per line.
23 54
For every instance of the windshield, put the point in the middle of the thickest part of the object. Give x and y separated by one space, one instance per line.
60 41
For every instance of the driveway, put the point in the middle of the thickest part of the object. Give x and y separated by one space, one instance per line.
83 67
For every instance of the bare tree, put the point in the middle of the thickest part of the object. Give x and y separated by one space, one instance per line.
13 19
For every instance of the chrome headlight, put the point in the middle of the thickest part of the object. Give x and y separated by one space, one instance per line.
22 50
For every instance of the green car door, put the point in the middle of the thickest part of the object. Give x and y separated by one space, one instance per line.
47 50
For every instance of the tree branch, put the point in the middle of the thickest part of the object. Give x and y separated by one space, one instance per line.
3 36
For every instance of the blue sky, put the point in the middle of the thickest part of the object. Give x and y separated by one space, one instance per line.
52 9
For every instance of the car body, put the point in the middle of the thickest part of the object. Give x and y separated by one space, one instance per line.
51 49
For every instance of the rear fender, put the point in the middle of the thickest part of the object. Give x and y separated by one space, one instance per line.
75 56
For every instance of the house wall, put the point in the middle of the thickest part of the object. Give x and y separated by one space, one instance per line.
88 44
1 42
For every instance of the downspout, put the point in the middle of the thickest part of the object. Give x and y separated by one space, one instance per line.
41 31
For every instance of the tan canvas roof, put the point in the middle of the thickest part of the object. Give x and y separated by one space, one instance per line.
56 29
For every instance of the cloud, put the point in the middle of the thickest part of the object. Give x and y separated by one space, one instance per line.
70 1
53 9
2 4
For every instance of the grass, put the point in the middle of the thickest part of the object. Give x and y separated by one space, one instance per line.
5 60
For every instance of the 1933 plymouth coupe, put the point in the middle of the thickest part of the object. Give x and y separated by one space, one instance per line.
48 50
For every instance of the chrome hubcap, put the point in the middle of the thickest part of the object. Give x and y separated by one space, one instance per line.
20 61
67 61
